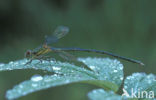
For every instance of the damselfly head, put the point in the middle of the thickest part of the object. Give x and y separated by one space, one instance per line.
28 54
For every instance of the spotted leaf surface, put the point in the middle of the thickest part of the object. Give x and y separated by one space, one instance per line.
100 94
107 73
140 85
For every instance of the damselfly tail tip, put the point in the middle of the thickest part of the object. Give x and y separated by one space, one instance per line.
139 62
142 64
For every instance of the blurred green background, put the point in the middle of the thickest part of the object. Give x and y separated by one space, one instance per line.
124 27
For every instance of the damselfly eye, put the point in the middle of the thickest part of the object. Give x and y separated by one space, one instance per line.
28 54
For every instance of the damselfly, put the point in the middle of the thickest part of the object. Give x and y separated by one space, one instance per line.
61 31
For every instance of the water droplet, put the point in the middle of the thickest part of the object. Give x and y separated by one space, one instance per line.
34 85
55 75
21 86
128 78
36 78
56 68
121 78
11 62
92 67
121 68
125 87
115 71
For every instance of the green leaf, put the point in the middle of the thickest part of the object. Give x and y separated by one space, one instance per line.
100 94
141 85
107 69
106 73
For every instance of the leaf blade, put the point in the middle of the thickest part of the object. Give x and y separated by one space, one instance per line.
107 74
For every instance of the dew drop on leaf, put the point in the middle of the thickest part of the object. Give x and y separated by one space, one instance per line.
34 85
36 78
115 71
11 62
56 68
92 67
